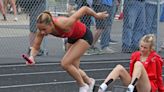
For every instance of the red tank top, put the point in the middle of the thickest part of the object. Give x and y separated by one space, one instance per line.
77 30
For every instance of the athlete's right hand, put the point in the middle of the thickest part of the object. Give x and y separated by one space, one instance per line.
29 60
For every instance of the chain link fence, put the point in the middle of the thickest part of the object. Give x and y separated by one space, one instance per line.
128 21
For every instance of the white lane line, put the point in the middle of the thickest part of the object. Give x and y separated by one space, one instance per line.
40 84
20 65
50 72
42 64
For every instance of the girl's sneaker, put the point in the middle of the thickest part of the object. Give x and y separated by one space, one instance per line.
84 88
91 86
15 19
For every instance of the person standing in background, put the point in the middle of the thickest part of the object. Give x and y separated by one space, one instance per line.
162 14
33 8
162 20
105 39
2 10
12 2
151 11
37 6
103 27
133 24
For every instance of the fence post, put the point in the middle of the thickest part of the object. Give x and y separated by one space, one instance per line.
45 40
158 31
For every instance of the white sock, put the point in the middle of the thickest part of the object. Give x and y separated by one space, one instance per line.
30 47
103 86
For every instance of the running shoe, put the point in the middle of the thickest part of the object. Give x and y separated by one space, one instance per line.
84 88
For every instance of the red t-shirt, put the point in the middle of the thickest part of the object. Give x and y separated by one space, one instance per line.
77 30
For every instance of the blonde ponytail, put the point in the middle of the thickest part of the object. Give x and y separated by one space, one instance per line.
45 17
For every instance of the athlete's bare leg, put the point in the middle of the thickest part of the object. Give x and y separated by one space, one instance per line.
73 55
119 72
143 84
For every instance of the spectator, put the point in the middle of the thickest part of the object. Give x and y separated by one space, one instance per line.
119 4
151 11
145 70
162 14
162 47
12 2
133 24
96 5
2 10
105 38
34 8
103 27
